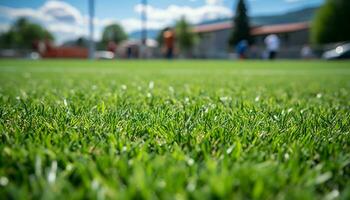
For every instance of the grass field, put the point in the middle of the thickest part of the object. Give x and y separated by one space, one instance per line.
174 130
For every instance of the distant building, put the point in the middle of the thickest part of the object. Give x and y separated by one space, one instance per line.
291 27
132 49
47 50
214 37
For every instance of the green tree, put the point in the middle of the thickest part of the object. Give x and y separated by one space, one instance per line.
184 36
332 22
241 26
9 39
23 33
113 32
82 42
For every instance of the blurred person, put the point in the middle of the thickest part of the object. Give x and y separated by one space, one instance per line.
46 46
112 47
306 52
242 48
272 43
129 52
254 51
41 47
169 42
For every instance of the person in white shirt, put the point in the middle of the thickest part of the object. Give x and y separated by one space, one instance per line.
306 52
272 43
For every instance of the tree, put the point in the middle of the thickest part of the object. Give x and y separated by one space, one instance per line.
9 39
22 34
241 27
82 42
332 23
113 32
79 42
184 35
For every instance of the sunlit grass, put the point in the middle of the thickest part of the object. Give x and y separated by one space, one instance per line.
174 130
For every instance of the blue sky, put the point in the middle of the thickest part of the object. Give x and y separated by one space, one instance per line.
67 19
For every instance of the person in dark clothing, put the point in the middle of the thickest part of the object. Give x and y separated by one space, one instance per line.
169 42
242 48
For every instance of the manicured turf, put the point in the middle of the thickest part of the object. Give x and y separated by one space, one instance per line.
174 130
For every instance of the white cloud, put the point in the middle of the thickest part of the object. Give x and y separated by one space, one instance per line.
65 28
211 10
61 11
214 2
65 20
58 17
13 13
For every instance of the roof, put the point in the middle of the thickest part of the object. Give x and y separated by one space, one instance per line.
293 16
280 28
212 27
258 30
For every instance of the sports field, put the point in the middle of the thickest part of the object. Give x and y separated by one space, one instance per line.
174 130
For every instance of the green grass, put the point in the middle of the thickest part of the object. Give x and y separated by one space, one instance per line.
174 130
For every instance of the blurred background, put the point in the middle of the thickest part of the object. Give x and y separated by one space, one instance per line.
175 29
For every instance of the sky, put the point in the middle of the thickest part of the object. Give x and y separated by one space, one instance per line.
68 19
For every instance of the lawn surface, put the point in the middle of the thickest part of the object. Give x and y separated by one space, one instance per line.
174 130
